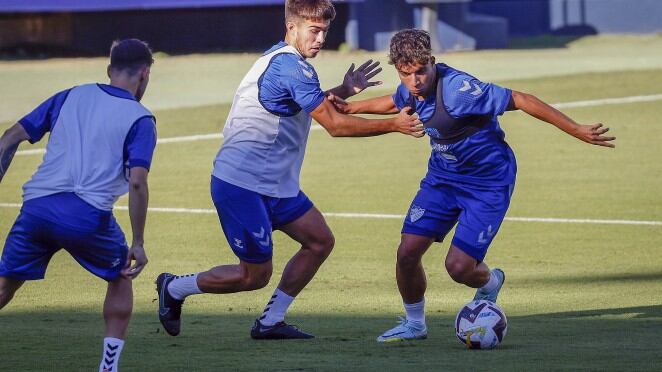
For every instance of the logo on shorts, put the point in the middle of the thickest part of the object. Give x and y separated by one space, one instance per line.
238 243
262 234
415 213
490 234
115 263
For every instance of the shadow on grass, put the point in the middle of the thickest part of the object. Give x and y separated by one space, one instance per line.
605 339
593 279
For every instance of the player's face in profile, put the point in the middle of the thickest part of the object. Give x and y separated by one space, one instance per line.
310 35
417 78
144 80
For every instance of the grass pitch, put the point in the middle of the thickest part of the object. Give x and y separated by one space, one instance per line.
577 296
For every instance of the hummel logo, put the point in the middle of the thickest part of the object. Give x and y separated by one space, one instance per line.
306 69
467 87
238 243
261 235
490 233
115 263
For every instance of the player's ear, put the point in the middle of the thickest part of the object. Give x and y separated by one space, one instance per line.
432 60
108 71
144 73
290 26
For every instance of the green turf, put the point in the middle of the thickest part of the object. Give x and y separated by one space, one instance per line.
578 296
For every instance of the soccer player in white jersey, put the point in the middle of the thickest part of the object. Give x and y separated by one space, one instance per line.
100 146
255 182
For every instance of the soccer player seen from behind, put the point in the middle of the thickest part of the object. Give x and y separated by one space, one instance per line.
100 146
471 171
255 180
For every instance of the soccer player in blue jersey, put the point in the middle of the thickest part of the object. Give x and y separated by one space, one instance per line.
255 181
471 171
100 146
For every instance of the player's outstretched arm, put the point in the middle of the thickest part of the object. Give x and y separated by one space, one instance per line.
383 105
341 125
355 81
8 144
593 133
138 200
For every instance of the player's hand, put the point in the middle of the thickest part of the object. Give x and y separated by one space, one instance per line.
357 80
593 134
409 123
137 254
340 104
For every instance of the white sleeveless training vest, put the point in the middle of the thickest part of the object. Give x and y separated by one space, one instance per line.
85 151
262 152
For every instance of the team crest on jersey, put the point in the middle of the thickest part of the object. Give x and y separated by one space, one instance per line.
415 213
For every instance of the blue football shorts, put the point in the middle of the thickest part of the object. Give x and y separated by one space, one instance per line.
32 241
478 213
248 218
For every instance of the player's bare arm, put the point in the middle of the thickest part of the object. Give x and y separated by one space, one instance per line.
138 200
8 144
340 125
357 80
591 133
383 105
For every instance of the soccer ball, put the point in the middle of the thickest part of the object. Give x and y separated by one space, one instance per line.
481 325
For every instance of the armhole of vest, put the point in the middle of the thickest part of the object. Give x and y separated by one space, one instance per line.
259 82
126 137
66 96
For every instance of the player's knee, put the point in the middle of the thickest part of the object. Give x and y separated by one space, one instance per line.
457 270
408 259
323 246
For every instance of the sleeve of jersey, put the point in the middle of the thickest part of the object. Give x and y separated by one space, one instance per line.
300 80
400 97
465 95
140 143
42 119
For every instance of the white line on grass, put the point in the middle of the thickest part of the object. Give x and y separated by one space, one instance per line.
399 217
197 137
595 102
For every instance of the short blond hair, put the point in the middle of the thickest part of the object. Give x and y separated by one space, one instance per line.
309 9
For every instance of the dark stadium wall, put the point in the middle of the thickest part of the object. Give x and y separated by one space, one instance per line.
192 30
176 31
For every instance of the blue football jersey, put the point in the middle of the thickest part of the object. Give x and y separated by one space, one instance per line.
468 145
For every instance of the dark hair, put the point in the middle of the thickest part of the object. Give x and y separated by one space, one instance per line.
410 47
130 55
309 9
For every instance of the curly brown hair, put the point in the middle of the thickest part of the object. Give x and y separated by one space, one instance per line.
309 9
410 47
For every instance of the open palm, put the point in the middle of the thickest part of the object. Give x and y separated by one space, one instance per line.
357 80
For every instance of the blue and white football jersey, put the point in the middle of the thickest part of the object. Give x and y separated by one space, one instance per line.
267 128
468 146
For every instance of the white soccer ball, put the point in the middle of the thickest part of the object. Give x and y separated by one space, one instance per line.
481 325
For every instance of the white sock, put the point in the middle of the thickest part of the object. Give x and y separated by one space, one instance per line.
275 310
184 286
110 359
416 312
491 284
